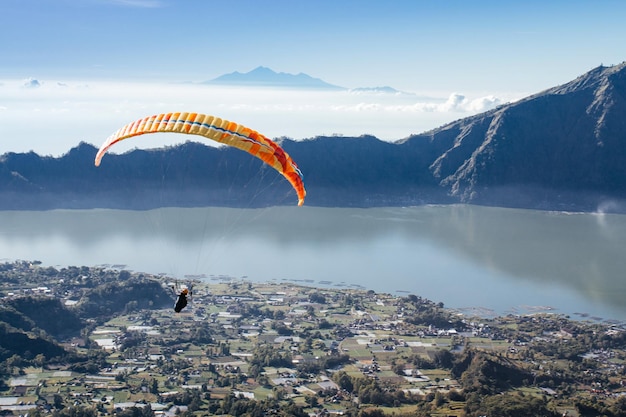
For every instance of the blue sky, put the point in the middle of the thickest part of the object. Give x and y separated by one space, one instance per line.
108 62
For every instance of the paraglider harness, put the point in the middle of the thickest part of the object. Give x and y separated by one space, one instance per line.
181 301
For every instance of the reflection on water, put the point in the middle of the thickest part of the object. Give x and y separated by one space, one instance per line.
465 256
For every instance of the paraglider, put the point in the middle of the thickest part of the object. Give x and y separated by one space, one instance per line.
219 130
181 301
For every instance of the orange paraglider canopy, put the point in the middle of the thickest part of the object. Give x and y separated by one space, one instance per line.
219 130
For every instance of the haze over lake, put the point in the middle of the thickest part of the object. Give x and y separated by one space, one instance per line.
505 260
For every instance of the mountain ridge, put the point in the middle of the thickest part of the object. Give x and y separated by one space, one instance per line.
265 77
561 149
572 137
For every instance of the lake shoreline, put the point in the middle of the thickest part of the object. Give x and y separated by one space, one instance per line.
464 256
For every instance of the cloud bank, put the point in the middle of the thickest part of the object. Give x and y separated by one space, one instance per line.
50 117
31 83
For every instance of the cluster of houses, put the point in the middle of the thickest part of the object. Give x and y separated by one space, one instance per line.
372 333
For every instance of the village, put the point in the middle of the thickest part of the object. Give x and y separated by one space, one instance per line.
324 350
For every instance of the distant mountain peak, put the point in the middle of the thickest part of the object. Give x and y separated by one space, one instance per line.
265 77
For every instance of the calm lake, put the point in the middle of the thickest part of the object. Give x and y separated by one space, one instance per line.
490 260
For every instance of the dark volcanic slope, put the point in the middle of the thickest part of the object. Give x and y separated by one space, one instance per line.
566 145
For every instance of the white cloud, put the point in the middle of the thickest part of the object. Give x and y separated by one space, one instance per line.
459 103
484 103
31 83
59 115
455 102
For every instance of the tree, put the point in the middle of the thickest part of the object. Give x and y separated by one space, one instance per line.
344 381
444 358
398 369
154 386
58 402
317 298
311 400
